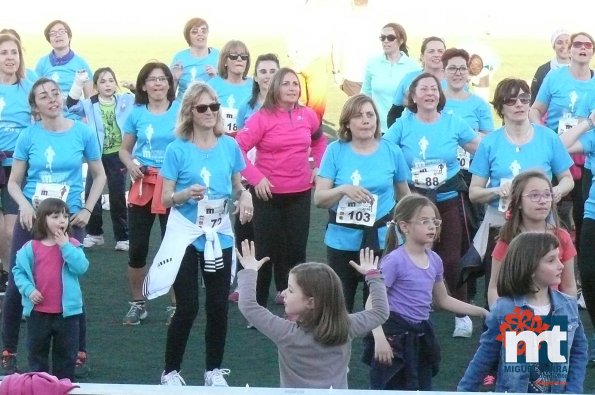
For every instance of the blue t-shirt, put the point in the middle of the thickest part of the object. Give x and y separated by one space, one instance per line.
245 112
57 157
432 142
474 110
153 133
186 164
562 94
63 75
193 68
15 114
231 96
497 158
588 142
378 172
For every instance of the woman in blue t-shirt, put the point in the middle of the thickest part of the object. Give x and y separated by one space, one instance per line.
201 172
147 132
197 63
15 115
429 139
360 177
47 163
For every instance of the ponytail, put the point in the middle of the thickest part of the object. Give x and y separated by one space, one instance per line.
392 240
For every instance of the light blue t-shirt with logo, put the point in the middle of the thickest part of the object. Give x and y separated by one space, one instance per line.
435 142
57 157
245 112
497 158
378 172
231 96
153 133
193 68
64 76
186 164
563 94
474 110
15 114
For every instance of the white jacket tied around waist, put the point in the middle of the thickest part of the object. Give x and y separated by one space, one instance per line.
180 233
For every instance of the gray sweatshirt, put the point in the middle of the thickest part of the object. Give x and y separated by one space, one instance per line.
303 362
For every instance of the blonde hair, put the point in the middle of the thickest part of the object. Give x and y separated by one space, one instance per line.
185 125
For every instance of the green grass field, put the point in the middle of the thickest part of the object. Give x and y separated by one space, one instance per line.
135 354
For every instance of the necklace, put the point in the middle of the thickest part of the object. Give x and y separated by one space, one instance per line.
522 138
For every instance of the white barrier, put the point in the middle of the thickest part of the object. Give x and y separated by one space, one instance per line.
131 389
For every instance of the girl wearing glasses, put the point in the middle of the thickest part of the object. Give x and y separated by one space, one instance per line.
201 173
361 177
414 277
285 135
233 86
432 49
197 63
429 138
532 208
385 72
147 131
63 65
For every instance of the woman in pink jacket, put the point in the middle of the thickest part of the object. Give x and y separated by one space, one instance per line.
285 135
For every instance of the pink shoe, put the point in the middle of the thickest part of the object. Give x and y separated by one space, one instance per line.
279 299
234 297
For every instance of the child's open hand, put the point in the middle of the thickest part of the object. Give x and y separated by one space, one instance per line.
248 256
383 352
36 297
367 261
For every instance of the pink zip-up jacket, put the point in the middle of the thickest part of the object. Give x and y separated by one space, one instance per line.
284 140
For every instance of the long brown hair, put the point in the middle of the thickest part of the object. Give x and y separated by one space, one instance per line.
328 320
521 261
512 227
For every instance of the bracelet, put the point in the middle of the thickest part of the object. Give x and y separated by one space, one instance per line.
84 208
372 272
174 202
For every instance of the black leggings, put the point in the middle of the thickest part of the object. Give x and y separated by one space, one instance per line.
586 265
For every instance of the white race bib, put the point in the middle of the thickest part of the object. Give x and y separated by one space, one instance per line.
350 212
566 122
464 158
429 176
210 213
49 190
230 116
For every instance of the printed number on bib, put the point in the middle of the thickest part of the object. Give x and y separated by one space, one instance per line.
429 176
211 212
350 212
230 115
464 158
49 190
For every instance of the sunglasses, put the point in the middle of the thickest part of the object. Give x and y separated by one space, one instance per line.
525 98
390 37
236 57
202 108
580 44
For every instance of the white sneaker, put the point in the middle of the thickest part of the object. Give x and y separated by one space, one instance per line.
122 245
214 378
172 378
91 240
463 327
581 300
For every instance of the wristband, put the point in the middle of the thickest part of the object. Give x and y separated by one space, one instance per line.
372 272
84 208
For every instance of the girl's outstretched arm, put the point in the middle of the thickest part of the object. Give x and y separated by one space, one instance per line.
447 302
